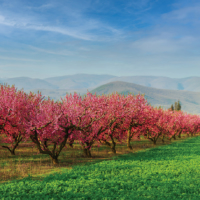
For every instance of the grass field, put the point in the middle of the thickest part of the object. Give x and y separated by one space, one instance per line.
169 171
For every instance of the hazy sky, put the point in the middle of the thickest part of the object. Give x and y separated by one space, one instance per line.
47 38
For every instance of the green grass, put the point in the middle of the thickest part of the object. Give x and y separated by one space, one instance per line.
164 172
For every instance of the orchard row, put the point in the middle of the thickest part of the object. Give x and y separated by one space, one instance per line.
101 119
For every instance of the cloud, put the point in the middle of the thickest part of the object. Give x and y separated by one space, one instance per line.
185 45
25 25
3 21
61 53
42 7
155 45
185 14
65 31
80 32
19 59
68 18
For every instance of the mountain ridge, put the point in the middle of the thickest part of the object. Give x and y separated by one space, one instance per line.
91 81
156 97
57 87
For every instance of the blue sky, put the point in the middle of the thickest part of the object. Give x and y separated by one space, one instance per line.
41 39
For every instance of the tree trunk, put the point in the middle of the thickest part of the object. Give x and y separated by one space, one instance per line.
153 140
113 149
54 160
18 139
113 145
12 151
89 153
86 152
129 140
174 136
130 147
163 139
71 143
44 149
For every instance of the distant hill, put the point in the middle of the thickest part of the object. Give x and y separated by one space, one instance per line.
84 82
156 97
78 81
158 90
189 83
28 83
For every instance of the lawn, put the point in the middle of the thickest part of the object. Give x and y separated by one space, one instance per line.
164 172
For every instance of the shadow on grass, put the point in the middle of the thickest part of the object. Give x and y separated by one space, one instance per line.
72 157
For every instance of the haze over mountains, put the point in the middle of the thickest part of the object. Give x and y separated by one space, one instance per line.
159 91
157 97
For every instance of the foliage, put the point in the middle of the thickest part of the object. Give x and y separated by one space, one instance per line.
87 120
176 106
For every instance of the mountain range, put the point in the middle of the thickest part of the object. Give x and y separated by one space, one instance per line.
159 91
